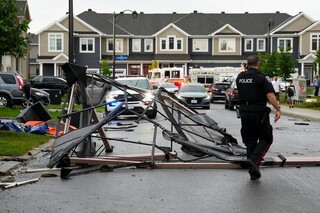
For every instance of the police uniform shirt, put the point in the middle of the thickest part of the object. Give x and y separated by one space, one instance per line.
253 87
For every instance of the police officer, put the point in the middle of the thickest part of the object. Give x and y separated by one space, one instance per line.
255 90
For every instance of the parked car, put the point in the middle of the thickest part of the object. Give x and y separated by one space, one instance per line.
194 95
217 91
50 82
37 95
231 96
170 87
134 99
11 89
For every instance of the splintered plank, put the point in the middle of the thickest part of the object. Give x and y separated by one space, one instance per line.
213 165
101 161
142 157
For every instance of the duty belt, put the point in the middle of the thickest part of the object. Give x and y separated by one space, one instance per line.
250 107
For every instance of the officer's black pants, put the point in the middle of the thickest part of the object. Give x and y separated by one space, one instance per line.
256 134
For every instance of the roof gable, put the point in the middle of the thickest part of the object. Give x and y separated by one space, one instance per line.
313 27
80 25
23 8
61 57
227 30
308 58
171 26
57 27
53 25
64 25
296 24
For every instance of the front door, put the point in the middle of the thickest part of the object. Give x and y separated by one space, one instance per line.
308 73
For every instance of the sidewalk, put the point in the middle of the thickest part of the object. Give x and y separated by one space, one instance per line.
308 114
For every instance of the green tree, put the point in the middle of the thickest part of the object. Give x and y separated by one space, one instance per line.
268 64
316 64
12 31
285 65
105 68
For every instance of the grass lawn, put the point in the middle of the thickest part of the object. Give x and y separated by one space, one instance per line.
16 144
307 105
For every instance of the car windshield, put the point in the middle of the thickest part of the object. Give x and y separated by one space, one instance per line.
221 86
192 88
140 83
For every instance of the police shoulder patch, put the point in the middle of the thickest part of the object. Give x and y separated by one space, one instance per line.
268 79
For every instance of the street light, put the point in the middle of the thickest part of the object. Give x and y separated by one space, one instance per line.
134 15
270 23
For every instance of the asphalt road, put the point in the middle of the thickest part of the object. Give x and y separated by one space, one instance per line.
151 190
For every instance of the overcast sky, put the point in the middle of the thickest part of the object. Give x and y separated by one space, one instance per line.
44 12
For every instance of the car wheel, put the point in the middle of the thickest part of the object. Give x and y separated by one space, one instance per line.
5 101
152 114
28 103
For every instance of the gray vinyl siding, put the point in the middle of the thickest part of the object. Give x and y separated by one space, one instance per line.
190 50
87 59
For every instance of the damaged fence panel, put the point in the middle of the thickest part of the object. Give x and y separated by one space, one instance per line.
196 133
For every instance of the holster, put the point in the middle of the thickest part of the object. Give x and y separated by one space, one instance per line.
265 114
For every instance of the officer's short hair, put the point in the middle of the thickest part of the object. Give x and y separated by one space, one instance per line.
252 60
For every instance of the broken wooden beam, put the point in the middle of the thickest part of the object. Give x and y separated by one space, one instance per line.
14 184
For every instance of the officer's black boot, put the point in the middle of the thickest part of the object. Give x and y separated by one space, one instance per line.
253 170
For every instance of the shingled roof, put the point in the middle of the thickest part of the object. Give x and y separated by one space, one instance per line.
252 23
192 23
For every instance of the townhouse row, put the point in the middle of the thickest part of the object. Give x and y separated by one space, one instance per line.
192 40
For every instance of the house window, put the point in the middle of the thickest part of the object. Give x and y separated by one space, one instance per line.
179 44
87 45
148 45
163 44
136 45
285 44
200 45
227 45
119 45
248 45
171 43
315 42
261 45
55 42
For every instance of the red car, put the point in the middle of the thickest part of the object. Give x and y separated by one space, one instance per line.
231 96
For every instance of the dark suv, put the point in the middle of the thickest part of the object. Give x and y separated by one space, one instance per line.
11 89
217 91
50 82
